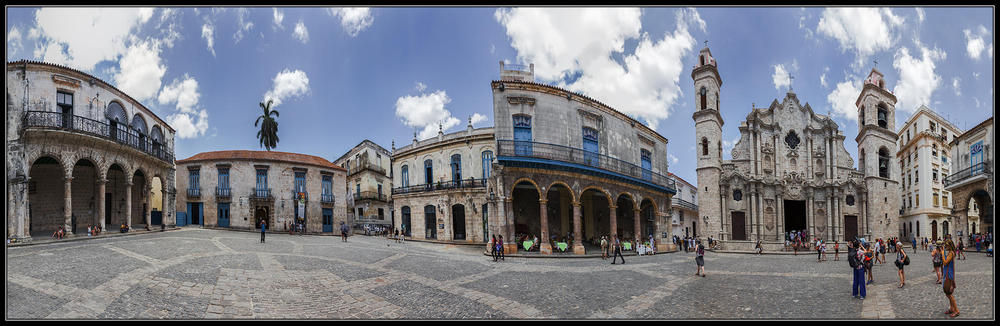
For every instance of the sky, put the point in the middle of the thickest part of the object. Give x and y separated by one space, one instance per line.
339 76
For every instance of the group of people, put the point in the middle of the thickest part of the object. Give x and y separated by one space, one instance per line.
796 239
496 248
982 242
687 243
297 226
93 230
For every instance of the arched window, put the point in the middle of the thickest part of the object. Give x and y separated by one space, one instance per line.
704 95
139 131
716 100
117 120
883 162
405 172
704 146
861 162
487 164
701 59
862 121
883 116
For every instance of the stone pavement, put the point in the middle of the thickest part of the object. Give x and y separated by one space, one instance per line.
215 274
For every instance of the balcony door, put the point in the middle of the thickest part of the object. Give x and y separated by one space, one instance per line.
65 102
428 172
591 147
647 165
456 168
522 135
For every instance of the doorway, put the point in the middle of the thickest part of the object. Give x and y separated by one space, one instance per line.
739 226
224 215
458 222
851 227
194 213
259 215
430 222
795 215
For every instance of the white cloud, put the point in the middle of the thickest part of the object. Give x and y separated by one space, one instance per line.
822 78
278 18
780 77
242 26
727 145
141 70
420 87
81 37
287 84
564 42
426 112
13 41
182 92
975 43
920 15
353 19
207 32
956 85
493 49
917 80
301 33
673 159
187 126
477 118
862 30
977 101
843 97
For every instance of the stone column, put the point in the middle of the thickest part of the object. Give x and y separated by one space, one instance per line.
68 207
163 210
128 204
544 247
614 220
577 234
101 184
638 223
724 215
510 243
810 221
779 218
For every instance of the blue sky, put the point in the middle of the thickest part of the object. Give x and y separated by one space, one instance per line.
342 75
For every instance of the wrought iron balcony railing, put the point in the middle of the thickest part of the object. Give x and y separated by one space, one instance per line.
194 192
223 192
261 193
580 156
972 171
460 184
369 195
121 134
326 198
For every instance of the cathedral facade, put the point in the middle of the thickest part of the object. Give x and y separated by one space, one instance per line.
790 170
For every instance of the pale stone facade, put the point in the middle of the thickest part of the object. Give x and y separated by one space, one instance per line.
369 184
276 199
684 211
449 203
923 165
790 169
80 152
972 179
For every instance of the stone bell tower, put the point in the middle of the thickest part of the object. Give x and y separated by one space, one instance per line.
708 130
877 151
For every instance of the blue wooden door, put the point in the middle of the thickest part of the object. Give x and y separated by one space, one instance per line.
224 215
181 218
522 135
327 220
590 147
647 165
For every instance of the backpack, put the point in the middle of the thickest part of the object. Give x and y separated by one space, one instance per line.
852 258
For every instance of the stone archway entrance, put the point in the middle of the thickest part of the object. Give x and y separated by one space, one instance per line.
262 213
458 222
46 202
795 215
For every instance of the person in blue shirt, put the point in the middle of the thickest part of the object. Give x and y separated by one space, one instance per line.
263 229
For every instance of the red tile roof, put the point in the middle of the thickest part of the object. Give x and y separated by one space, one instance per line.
262 156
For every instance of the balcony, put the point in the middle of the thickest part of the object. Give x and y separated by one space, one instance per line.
326 198
371 195
969 174
685 204
300 195
221 192
122 133
444 185
582 161
261 194
366 166
194 192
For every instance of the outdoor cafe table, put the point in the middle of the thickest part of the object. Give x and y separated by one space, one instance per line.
561 245
527 244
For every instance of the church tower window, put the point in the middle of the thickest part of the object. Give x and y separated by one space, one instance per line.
704 95
704 146
883 116
883 162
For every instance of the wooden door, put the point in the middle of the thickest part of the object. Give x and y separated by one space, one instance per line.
739 226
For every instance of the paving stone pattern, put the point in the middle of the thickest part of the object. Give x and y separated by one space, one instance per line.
196 273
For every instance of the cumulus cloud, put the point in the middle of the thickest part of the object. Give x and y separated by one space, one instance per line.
84 36
301 33
920 14
955 84
917 79
582 43
420 87
207 32
242 24
287 84
673 159
13 41
426 112
975 43
278 18
780 77
189 121
189 125
477 118
141 70
353 19
862 30
842 99
822 77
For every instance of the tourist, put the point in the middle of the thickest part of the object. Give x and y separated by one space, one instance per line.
493 248
90 230
901 261
914 243
699 259
343 231
758 249
882 249
869 256
604 248
948 269
855 257
937 259
961 249
618 250
822 247
795 247
786 245
500 247
836 250
263 230
989 249
819 253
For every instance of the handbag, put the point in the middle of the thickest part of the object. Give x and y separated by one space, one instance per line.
949 286
906 260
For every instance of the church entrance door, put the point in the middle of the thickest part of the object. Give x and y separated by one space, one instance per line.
795 215
739 226
850 227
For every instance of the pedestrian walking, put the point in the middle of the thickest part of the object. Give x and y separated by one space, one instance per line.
604 248
500 247
948 269
901 261
855 257
937 260
836 250
618 250
961 250
343 231
758 249
699 258
493 248
819 254
263 230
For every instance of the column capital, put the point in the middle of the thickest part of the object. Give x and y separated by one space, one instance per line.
543 201
576 204
508 200
101 181
612 206
69 179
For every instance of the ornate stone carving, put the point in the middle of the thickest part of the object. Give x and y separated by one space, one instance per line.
513 100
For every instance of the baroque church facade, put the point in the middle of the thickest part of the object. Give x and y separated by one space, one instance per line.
790 169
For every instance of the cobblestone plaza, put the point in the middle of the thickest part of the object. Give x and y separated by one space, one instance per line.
203 273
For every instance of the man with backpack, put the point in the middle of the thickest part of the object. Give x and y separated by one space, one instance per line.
699 258
854 256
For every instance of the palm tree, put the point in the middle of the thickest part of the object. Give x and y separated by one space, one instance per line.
268 134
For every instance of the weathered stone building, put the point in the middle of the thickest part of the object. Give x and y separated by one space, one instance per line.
972 179
923 165
683 210
81 152
240 188
441 189
369 182
790 170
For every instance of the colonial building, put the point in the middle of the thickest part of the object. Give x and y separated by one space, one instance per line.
923 162
572 169
441 189
240 188
790 169
368 184
972 179
81 152
684 211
